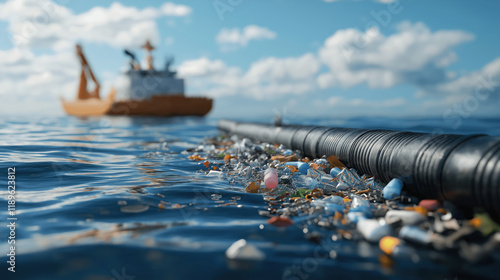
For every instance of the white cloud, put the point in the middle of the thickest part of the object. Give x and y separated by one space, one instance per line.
265 79
171 9
413 55
46 24
24 74
482 83
234 38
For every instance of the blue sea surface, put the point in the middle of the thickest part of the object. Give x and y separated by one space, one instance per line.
88 193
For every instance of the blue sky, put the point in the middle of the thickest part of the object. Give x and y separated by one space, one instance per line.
311 58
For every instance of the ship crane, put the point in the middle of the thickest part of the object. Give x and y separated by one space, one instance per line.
83 92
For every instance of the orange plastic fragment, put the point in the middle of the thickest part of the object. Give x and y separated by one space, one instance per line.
346 199
161 206
160 195
335 162
292 168
196 157
280 221
206 163
229 157
215 168
475 222
316 166
253 187
388 243
420 210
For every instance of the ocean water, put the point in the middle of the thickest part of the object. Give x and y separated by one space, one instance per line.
88 190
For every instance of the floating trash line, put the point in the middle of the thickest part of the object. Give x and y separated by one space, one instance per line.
332 201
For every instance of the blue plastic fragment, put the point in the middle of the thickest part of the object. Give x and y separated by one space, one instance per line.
393 189
302 166
331 208
365 210
335 171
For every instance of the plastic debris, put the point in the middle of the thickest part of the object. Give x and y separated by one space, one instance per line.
301 166
340 203
406 217
242 250
335 162
373 230
392 189
415 234
271 178
394 247
430 204
335 171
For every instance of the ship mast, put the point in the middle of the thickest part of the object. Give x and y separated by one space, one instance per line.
83 93
149 58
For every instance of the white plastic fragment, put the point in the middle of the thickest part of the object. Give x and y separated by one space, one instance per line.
241 250
214 173
372 230
415 234
406 217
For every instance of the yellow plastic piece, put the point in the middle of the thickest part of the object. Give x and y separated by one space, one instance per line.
388 243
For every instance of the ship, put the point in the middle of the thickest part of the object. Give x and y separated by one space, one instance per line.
148 92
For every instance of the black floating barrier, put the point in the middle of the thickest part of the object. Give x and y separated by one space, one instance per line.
463 169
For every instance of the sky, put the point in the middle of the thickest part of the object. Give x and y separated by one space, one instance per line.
314 58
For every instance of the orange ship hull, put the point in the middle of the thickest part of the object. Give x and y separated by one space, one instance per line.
170 105
165 106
